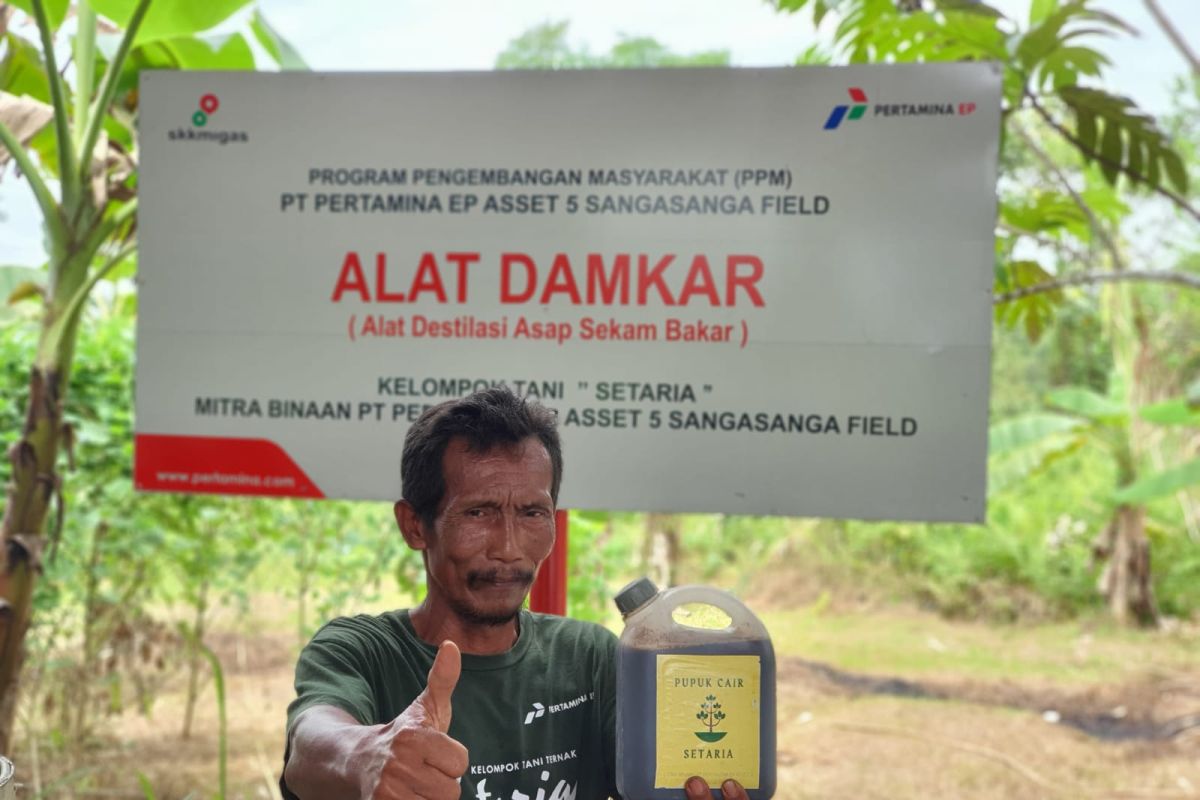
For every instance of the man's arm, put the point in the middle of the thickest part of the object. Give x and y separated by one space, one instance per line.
331 754
333 757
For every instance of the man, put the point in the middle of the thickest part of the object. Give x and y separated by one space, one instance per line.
467 695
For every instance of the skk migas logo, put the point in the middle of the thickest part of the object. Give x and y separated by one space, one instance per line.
209 104
199 132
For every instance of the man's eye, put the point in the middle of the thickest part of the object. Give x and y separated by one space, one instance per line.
476 512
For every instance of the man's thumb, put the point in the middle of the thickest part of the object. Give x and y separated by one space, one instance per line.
443 677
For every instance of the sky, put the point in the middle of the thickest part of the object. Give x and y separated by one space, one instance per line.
387 35
468 34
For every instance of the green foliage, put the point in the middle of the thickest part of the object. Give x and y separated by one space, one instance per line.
1079 351
1044 53
1086 403
1172 412
1034 312
1018 433
171 19
334 556
222 723
1113 132
1031 562
278 47
140 575
546 47
599 545
1051 476
1165 482
230 51
56 10
814 55
543 47
22 71
16 285
1046 211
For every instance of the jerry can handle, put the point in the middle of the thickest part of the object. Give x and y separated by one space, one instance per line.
682 595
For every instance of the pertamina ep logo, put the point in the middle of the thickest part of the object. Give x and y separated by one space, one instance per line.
858 109
540 710
200 132
839 112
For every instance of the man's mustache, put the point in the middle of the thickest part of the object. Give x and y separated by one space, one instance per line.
477 578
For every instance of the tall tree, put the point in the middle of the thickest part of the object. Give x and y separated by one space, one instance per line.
73 142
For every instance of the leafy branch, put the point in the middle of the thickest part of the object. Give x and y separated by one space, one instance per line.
1097 228
1103 276
1089 103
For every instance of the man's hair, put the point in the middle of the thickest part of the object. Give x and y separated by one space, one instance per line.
491 418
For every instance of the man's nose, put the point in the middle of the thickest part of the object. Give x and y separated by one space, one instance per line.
504 544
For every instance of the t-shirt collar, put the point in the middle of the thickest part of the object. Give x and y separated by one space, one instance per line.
478 663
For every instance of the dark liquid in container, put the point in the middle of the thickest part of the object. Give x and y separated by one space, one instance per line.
637 704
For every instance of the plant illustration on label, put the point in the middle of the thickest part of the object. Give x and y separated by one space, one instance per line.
710 716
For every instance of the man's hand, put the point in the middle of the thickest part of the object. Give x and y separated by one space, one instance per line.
414 754
334 757
697 789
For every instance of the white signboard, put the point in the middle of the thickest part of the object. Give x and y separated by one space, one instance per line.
743 291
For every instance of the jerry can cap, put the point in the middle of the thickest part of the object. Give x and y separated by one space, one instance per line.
635 595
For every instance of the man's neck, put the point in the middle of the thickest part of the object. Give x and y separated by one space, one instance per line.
435 622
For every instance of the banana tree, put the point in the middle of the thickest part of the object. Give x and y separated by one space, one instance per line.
70 133
1023 447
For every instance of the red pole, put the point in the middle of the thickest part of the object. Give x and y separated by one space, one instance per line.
549 592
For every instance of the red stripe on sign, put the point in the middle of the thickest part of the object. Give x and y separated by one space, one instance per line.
217 465
858 95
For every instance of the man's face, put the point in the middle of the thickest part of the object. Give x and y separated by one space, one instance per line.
494 527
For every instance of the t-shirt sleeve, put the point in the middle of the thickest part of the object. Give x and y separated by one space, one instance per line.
333 670
606 705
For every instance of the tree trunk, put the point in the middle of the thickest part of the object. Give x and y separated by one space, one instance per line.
33 485
1126 580
661 549
195 653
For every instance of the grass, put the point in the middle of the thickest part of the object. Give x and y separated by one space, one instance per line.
916 644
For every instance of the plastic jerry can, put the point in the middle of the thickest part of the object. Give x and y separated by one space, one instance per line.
692 700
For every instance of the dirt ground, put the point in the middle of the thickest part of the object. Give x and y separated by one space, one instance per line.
843 731
1003 740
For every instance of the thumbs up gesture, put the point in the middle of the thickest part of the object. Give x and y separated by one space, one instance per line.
416 757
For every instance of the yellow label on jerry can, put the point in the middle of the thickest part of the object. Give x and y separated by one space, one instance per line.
708 720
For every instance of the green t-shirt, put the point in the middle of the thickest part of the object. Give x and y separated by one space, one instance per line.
538 721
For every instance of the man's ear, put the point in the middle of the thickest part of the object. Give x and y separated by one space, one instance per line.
411 527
